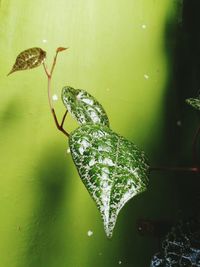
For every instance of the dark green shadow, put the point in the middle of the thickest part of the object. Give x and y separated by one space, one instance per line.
171 196
46 238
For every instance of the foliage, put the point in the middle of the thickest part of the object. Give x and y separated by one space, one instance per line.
83 107
194 102
29 59
112 168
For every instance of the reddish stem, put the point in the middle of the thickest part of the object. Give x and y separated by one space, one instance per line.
179 169
63 120
49 76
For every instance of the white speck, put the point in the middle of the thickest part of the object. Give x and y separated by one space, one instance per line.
79 96
89 233
104 148
129 182
120 262
105 170
83 145
68 150
144 26
92 162
178 123
108 162
55 97
104 176
146 76
88 101
94 117
104 184
44 41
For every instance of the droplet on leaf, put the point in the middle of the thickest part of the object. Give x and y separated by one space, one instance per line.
29 59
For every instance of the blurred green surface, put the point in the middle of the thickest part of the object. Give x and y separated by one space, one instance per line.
118 52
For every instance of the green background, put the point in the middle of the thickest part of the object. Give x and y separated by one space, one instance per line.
122 52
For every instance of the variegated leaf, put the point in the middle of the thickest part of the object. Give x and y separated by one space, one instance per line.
194 102
29 59
112 168
83 107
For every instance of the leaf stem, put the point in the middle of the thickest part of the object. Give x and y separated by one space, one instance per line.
54 63
63 120
175 169
49 76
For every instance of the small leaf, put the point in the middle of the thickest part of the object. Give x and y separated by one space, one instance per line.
194 102
60 49
29 59
112 168
83 107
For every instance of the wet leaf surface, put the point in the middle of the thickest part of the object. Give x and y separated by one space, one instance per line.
83 106
112 169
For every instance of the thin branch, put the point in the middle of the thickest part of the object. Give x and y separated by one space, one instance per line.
63 120
54 63
194 146
46 70
49 76
59 127
176 169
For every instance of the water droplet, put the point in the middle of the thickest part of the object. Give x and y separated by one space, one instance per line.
146 76
55 97
90 233
68 150
144 26
120 262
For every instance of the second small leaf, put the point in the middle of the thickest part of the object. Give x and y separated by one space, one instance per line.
83 106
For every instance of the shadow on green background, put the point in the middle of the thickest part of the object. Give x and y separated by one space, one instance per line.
46 236
41 191
171 196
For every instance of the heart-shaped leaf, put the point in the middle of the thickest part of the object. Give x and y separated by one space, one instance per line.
83 107
112 168
29 59
194 102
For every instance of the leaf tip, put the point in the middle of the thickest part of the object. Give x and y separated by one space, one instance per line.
60 49
10 72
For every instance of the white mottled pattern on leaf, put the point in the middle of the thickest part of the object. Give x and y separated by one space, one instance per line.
194 102
29 59
112 168
83 107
